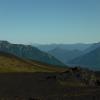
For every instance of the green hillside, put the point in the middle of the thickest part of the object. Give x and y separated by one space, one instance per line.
11 63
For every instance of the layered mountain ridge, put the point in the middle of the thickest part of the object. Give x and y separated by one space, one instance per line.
83 55
90 59
29 52
65 55
12 63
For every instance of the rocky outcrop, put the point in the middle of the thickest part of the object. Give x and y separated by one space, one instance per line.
77 74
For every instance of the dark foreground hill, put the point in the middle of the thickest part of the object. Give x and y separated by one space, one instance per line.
29 52
48 86
31 80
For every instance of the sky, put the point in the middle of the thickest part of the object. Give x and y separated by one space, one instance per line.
50 21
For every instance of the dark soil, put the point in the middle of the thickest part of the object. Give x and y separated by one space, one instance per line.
42 86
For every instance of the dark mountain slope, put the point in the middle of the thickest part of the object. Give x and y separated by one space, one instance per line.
92 47
65 55
29 52
91 59
49 47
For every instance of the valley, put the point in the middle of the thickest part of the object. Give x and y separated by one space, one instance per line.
27 73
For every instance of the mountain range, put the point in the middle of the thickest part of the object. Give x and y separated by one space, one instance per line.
84 55
76 46
89 57
65 55
29 52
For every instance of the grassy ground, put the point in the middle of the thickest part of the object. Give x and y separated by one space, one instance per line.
13 64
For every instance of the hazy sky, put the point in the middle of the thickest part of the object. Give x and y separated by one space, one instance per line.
50 21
